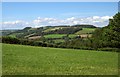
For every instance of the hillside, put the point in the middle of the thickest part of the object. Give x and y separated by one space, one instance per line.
52 33
29 31
29 60
6 32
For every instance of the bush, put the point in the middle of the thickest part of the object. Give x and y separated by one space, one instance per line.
10 40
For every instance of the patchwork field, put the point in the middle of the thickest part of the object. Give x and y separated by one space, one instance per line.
29 60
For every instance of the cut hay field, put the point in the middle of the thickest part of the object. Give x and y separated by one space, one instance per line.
54 35
30 60
86 31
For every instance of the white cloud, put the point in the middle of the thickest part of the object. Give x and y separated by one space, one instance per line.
72 18
106 17
12 22
18 24
96 17
98 21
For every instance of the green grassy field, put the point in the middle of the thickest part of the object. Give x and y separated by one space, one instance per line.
29 60
86 31
72 35
59 35
54 35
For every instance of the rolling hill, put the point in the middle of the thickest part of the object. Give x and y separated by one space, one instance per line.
56 36
29 31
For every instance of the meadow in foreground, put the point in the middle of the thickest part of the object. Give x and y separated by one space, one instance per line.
30 60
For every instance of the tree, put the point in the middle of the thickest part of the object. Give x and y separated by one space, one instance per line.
109 36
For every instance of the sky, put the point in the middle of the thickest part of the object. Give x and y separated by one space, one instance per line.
60 0
17 15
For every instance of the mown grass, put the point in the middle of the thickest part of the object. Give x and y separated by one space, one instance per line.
86 31
29 60
54 35
72 35
59 35
0 59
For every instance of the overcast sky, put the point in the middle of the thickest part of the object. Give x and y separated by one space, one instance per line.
17 15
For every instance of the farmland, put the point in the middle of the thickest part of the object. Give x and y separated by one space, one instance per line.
86 31
59 35
31 60
54 36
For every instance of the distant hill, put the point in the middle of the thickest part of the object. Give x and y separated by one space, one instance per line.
42 31
85 26
6 32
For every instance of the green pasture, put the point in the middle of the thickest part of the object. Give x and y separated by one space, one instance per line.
30 60
85 31
54 35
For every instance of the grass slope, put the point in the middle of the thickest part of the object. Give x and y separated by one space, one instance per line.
54 35
86 31
28 60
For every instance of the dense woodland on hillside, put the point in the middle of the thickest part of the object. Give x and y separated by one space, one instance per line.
76 37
